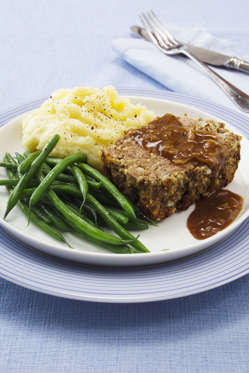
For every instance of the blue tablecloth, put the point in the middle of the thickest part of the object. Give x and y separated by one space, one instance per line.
50 44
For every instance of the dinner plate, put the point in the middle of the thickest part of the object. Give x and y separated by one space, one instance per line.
221 262
169 240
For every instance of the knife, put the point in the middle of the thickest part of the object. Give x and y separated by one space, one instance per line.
205 55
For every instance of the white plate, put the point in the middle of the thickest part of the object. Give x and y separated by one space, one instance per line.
170 240
221 263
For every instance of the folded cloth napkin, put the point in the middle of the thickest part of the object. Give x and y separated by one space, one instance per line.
181 74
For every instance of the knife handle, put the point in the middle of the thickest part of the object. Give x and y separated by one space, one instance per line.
238 64
234 93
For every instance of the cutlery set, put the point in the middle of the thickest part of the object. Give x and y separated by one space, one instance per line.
156 32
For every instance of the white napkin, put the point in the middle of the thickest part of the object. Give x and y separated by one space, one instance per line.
178 73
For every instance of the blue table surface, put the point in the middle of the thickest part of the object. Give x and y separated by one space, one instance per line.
50 44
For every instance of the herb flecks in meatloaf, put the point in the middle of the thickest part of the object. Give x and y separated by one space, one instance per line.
162 173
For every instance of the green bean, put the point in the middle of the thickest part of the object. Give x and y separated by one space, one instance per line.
57 182
10 159
69 178
104 198
81 225
112 223
110 187
27 192
65 177
114 249
118 215
38 212
65 183
92 212
51 176
41 224
19 157
17 191
43 171
46 168
110 202
92 182
82 182
9 182
74 209
10 173
14 182
8 165
40 174
56 220
53 161
13 177
26 163
87 211
62 177
137 225
66 188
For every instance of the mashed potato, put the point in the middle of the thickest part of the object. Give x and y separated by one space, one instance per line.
87 119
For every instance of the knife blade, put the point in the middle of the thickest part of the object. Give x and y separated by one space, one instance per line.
205 55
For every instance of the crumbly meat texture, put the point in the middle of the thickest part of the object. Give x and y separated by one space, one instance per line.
160 187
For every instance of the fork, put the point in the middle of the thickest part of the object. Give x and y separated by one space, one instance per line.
167 44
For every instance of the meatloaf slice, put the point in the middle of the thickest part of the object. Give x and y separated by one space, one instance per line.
163 182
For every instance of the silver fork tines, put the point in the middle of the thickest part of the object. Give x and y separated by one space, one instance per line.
154 19
167 44
152 31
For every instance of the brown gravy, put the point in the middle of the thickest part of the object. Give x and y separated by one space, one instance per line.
214 213
180 144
